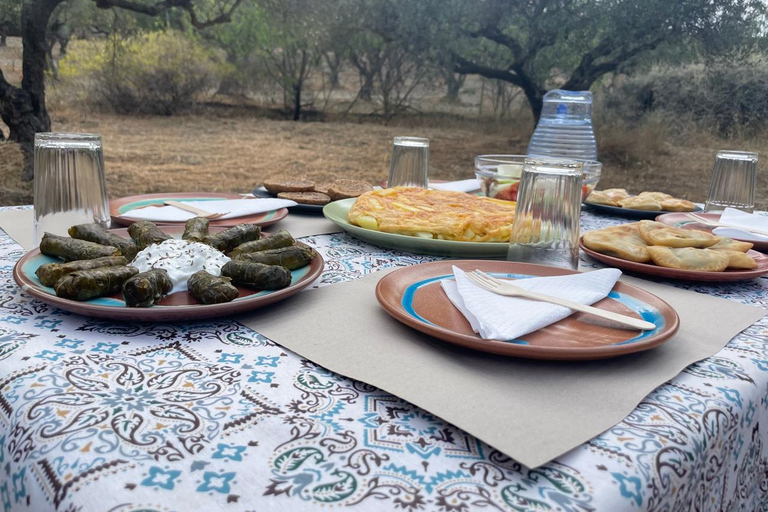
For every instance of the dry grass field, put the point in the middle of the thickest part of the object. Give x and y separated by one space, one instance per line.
231 148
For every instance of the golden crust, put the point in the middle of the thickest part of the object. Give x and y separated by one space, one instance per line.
601 198
677 205
622 241
657 233
689 258
640 203
734 245
438 214
658 196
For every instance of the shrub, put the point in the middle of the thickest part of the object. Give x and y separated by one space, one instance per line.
724 98
157 73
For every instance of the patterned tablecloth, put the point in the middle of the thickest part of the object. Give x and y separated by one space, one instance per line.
101 416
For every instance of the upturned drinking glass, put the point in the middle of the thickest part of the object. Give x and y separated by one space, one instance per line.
409 166
733 182
69 186
546 225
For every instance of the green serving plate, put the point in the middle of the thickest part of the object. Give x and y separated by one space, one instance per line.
337 211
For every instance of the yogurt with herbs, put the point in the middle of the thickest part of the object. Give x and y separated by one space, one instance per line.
181 259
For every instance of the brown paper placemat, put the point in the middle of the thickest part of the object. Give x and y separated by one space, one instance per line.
531 410
18 225
300 225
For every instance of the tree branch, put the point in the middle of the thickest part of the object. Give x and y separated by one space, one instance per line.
165 5
466 67
498 37
586 73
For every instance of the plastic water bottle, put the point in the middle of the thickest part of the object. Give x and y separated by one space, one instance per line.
565 127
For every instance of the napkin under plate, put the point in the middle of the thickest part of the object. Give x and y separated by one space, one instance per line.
745 220
497 317
232 207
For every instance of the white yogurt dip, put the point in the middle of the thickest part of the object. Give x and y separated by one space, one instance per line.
181 259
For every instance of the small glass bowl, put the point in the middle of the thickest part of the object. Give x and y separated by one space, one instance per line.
499 175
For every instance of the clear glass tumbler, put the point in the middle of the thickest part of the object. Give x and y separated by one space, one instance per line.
409 166
546 225
733 182
69 186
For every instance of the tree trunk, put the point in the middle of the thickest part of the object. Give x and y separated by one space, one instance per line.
23 109
533 93
453 84
333 62
297 100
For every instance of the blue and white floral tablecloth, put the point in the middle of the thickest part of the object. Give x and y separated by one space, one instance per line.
102 416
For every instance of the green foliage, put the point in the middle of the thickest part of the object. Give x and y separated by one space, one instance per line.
542 44
240 39
159 72
10 16
725 98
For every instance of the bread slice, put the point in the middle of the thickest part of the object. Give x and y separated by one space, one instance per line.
344 189
314 198
275 186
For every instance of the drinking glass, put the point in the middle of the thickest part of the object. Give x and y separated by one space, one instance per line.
409 166
546 225
733 182
69 185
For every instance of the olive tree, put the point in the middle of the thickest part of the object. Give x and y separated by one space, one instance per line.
535 44
23 107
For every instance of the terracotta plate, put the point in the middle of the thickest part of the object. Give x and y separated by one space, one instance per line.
679 220
413 295
118 208
174 307
687 275
618 211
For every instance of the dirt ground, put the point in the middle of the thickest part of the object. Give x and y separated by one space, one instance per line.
230 148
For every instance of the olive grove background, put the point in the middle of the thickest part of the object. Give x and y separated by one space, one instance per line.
220 94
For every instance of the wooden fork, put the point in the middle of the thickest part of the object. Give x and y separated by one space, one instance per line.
196 211
500 287
715 224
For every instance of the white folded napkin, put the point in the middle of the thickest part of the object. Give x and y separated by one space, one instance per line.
744 220
496 317
233 207
457 186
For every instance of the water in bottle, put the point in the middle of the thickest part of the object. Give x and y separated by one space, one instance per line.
565 127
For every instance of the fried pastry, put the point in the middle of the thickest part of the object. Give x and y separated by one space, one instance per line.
658 196
601 198
656 233
438 214
734 245
677 205
616 193
623 241
737 259
689 258
640 203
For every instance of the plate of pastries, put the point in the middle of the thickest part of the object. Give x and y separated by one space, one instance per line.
657 249
645 205
152 273
423 221
311 196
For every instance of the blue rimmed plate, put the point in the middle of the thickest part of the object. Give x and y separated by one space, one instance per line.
174 307
413 296
119 209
